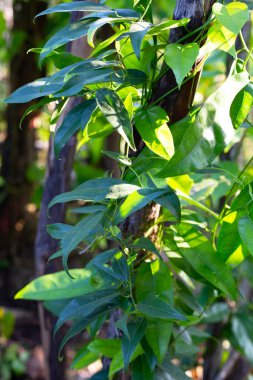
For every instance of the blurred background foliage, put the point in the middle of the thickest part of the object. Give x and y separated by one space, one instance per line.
23 162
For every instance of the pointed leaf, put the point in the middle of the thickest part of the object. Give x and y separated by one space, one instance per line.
58 286
151 124
155 307
96 190
78 6
76 119
115 112
185 54
136 332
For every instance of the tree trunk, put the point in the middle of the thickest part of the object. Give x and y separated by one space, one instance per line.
16 225
57 181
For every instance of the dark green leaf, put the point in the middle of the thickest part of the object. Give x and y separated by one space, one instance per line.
115 112
77 234
245 227
96 190
81 6
158 335
136 332
76 119
155 307
84 306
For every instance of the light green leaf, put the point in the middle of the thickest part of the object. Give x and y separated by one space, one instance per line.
106 347
151 124
83 358
233 16
242 105
76 119
115 112
135 201
210 133
181 58
59 286
168 25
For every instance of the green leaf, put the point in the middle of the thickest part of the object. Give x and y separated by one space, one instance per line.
242 105
115 112
77 234
242 330
245 227
69 33
80 325
84 306
155 307
210 133
167 25
148 245
90 72
33 90
57 230
158 335
151 124
135 201
121 158
96 190
100 22
229 243
233 16
76 119
83 358
58 286
136 332
79 6
198 251
171 372
106 347
185 54
140 369
137 32
150 280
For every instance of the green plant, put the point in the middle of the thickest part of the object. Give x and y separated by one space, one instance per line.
180 269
